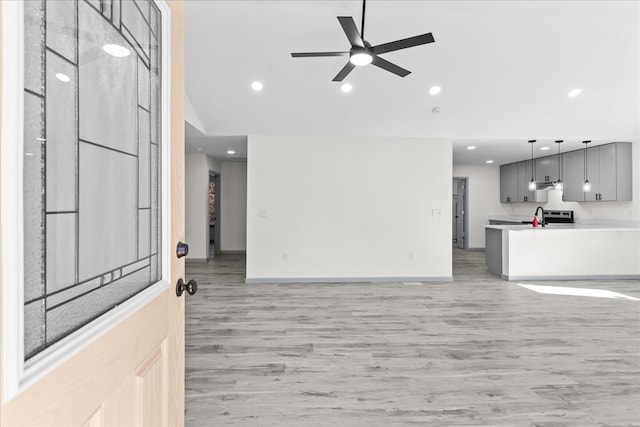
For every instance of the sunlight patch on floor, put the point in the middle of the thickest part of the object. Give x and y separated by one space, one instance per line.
582 292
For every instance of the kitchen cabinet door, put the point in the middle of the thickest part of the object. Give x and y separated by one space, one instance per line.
553 166
607 172
509 183
573 176
593 174
542 169
546 169
525 172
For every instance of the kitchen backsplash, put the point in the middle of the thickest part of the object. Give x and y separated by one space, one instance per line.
604 213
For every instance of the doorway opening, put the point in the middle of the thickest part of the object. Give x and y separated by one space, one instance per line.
460 220
214 214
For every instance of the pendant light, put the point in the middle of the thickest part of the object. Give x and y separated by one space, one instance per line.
558 184
532 183
586 187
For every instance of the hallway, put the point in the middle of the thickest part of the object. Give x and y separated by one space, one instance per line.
478 351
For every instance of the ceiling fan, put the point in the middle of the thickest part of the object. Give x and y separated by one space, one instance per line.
362 53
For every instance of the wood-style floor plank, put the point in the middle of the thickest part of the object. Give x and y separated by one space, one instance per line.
478 351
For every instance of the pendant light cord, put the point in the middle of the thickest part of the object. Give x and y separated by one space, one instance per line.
533 165
586 164
559 161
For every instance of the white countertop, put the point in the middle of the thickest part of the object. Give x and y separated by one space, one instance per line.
511 218
561 227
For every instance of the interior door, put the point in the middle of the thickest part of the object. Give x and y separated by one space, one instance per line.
132 371
460 234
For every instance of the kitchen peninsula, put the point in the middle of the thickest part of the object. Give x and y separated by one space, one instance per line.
563 252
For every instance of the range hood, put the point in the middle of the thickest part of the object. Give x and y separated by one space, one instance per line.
546 185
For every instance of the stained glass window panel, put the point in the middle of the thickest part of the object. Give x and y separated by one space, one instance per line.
92 162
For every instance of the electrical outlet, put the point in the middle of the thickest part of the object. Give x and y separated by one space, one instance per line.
411 255
285 256
436 213
262 213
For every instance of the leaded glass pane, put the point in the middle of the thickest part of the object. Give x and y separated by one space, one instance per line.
92 158
138 27
61 29
108 210
34 46
61 251
62 134
33 198
108 95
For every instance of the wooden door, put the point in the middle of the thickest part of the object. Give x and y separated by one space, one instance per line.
132 372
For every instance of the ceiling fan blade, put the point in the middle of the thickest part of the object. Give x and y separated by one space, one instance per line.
386 65
403 44
344 72
350 29
314 54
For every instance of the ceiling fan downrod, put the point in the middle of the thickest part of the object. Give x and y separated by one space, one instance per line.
364 6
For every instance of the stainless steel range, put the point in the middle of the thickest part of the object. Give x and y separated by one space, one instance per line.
558 217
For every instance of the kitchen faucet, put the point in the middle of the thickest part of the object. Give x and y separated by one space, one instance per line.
542 222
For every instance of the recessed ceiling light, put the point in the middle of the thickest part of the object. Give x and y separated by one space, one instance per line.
544 148
489 161
574 93
116 50
435 90
231 152
41 139
346 87
257 86
28 154
63 77
471 147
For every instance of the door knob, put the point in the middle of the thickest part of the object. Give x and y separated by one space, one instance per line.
191 287
182 249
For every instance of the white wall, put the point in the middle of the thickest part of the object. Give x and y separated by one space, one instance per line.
484 199
197 205
342 208
191 116
233 206
233 196
214 165
593 212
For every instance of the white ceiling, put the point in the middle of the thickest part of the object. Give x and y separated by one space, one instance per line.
505 68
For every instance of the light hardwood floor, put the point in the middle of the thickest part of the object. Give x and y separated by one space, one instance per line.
479 351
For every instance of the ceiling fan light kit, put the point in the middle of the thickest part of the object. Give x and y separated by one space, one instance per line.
362 53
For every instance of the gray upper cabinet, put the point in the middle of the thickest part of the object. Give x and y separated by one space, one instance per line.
607 181
573 176
542 169
608 171
514 184
509 183
547 169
